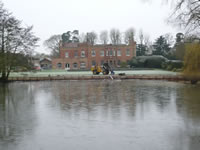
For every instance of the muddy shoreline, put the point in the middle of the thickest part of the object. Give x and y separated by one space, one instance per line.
101 77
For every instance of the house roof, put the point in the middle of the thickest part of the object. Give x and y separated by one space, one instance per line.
43 59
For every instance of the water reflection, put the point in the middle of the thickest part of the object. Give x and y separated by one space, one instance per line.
93 97
16 113
189 109
116 115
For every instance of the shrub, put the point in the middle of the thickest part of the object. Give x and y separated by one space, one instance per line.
123 65
174 69
148 61
169 67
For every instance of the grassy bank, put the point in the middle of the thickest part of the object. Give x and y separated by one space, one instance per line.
53 73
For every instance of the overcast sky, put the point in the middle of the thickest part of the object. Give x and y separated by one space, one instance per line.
57 16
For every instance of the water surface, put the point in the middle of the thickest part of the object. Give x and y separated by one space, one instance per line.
99 115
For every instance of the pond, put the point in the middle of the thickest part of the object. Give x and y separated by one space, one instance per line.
99 115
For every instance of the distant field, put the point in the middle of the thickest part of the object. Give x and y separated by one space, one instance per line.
79 73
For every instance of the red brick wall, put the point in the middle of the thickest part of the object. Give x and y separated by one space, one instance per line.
88 55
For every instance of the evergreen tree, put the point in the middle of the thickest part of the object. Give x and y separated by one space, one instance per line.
161 47
141 49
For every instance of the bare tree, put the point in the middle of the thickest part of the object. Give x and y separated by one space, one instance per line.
141 37
82 38
14 40
187 14
91 37
129 35
169 38
53 44
115 36
147 40
144 45
104 37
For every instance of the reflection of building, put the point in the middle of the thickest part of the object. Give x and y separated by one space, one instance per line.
84 55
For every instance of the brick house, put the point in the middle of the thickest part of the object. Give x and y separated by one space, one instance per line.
45 63
84 55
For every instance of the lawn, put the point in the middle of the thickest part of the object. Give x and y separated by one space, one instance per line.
87 73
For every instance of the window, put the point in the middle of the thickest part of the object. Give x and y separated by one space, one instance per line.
127 52
102 62
102 53
82 65
82 53
66 54
93 63
110 52
119 62
119 53
93 53
67 65
76 54
114 53
106 53
59 65
75 65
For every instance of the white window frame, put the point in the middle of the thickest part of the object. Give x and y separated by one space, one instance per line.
113 52
119 53
82 53
82 65
59 65
127 52
102 53
107 53
75 52
93 53
66 54
110 53
76 65
67 65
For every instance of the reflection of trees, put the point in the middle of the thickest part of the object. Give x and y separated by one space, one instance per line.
156 101
191 102
101 101
188 105
151 95
15 110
